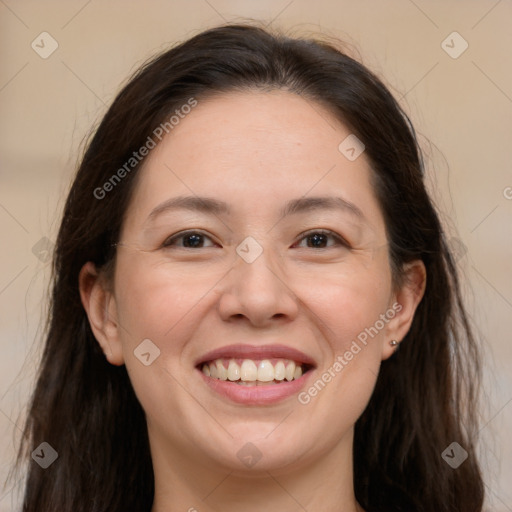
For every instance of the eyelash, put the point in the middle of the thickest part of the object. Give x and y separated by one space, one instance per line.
170 242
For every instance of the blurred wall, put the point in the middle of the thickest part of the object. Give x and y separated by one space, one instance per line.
457 88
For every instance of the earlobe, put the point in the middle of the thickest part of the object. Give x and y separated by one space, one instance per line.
99 304
406 301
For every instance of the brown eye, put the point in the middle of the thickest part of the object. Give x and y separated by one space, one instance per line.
319 239
187 240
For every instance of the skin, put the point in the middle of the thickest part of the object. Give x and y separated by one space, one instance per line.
255 151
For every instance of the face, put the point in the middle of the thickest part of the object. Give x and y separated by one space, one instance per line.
265 291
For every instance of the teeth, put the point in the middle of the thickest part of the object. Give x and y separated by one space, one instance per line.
265 371
279 371
233 370
222 373
251 372
248 371
289 371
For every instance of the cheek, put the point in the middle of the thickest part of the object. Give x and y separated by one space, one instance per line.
165 305
159 302
348 303
348 306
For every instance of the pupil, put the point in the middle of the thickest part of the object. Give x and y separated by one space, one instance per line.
318 240
196 240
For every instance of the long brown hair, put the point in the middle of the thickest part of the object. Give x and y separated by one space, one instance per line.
425 395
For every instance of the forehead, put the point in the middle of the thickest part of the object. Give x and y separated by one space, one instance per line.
255 146
276 120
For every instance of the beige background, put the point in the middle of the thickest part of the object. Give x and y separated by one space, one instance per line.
462 109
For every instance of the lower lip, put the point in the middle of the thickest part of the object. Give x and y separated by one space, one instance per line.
256 395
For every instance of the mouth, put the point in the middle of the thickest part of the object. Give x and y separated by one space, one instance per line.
254 372
255 375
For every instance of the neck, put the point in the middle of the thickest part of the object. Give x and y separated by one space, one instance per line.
185 484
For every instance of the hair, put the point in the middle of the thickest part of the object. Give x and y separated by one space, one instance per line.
426 394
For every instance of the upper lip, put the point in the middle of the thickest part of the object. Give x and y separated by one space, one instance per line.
258 352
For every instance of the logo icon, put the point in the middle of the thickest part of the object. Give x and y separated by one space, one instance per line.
249 249
146 352
249 454
44 45
457 248
454 455
45 455
351 147
454 45
43 249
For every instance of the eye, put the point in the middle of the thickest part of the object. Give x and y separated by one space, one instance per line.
190 239
318 239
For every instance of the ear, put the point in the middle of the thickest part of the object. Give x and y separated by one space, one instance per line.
404 302
100 306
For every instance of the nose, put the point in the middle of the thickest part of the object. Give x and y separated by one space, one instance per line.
259 293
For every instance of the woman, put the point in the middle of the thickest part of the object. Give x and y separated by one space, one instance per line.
247 242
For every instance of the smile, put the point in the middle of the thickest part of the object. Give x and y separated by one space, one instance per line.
255 375
251 372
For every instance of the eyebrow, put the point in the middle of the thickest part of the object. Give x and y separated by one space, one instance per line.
213 206
192 203
307 204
